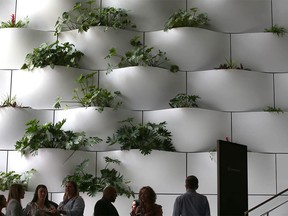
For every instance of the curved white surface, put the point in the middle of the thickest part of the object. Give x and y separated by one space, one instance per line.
5 83
16 43
280 13
140 87
231 90
192 129
96 43
191 48
3 161
281 89
233 16
12 124
265 52
52 166
261 131
44 14
96 124
150 15
7 9
40 88
282 175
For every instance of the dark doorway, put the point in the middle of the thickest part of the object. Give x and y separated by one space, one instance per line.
232 178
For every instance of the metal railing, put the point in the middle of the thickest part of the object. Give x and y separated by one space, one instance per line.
246 213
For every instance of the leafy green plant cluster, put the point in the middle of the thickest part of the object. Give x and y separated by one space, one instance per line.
273 109
85 14
53 54
184 100
140 55
88 94
51 135
13 24
275 29
230 64
183 18
10 102
92 185
9 178
144 137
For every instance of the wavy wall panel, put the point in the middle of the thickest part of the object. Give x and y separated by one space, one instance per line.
192 129
282 160
96 43
231 90
16 43
97 124
5 77
44 14
260 131
280 13
191 48
233 16
150 15
140 88
12 124
61 164
40 88
281 89
264 52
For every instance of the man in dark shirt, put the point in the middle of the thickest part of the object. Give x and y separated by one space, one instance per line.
104 206
191 203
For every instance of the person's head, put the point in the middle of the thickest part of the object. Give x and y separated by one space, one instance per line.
135 204
41 193
3 202
191 182
16 191
71 189
147 195
110 193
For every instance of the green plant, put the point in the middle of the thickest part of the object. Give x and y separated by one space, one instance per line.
13 24
88 94
144 137
85 14
275 29
92 185
51 135
53 54
184 100
10 102
183 18
140 55
231 65
273 109
9 178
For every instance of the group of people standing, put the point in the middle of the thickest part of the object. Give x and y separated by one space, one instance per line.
190 203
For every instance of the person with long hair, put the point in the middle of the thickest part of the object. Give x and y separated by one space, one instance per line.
3 204
40 205
72 204
14 207
148 206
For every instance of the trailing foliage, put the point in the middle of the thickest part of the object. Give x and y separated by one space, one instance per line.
184 100
51 135
85 14
91 185
53 54
183 18
13 24
88 94
140 55
144 137
275 29
231 65
273 109
9 178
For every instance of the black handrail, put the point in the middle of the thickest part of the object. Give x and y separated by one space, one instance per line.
268 200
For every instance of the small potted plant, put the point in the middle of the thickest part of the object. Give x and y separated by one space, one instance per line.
278 30
91 185
145 137
230 64
9 101
85 14
273 109
139 55
183 100
15 24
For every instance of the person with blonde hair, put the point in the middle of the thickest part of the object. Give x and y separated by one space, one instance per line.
14 207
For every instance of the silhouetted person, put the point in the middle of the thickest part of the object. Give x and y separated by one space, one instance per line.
104 206
191 203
